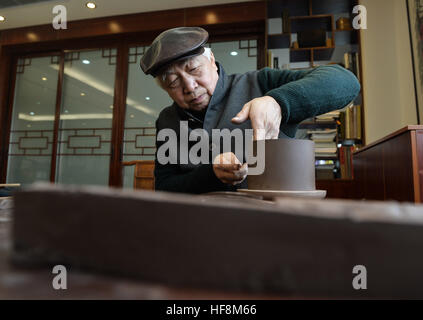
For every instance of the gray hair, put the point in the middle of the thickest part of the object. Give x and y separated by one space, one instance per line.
160 79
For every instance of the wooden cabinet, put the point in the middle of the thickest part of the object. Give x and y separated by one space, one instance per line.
388 169
391 168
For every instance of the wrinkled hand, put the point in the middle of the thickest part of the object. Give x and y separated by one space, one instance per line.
229 169
264 113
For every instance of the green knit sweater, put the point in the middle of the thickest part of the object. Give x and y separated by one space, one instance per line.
301 95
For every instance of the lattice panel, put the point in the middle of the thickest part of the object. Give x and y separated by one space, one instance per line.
72 56
135 52
84 142
31 142
140 141
250 45
54 59
22 63
111 54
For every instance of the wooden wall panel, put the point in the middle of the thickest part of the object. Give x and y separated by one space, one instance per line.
338 189
141 22
386 170
398 168
368 171
232 13
96 27
418 156
359 176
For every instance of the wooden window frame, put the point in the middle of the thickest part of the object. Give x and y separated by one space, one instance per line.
235 22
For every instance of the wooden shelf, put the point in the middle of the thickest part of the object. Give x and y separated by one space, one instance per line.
311 48
303 19
335 157
336 179
279 35
318 123
315 16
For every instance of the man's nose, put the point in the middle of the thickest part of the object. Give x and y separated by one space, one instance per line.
190 84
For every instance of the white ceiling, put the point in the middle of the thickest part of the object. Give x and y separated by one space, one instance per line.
41 13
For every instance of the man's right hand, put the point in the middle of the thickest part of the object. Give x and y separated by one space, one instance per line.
229 169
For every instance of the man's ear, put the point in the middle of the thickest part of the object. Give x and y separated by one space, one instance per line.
213 60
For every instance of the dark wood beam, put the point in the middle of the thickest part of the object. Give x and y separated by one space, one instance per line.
140 22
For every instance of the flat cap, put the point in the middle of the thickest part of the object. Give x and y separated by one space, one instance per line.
173 45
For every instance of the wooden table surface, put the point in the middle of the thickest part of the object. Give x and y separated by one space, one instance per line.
18 283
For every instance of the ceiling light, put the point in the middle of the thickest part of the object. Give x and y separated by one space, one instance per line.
2 18
66 111
31 113
234 53
111 107
44 78
82 94
132 116
91 5
85 61
147 98
77 116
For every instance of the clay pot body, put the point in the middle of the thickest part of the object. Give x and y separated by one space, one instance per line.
289 166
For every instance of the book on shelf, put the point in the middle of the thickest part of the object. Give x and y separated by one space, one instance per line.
352 63
321 145
322 131
328 155
326 166
331 150
324 142
345 162
325 169
323 137
350 119
330 116
269 59
324 162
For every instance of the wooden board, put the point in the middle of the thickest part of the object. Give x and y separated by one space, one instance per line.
294 248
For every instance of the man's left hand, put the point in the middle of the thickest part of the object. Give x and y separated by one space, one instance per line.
265 114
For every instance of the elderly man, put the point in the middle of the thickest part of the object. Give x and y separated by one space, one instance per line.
271 102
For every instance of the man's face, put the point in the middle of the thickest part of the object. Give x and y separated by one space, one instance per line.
191 83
